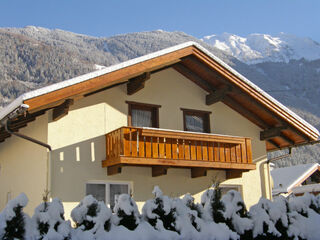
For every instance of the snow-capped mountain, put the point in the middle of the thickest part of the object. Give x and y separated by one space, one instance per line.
257 48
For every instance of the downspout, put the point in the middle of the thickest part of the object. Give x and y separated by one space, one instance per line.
26 137
15 113
5 122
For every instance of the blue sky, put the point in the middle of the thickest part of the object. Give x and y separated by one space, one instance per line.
197 18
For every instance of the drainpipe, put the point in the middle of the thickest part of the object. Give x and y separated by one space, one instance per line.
26 137
18 111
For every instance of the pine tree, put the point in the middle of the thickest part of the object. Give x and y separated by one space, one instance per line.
91 216
195 211
211 201
160 208
15 227
49 220
126 212
13 219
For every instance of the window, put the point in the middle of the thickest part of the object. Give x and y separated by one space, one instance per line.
108 192
196 120
143 115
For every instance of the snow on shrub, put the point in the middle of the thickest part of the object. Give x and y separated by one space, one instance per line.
159 212
14 224
91 217
167 218
212 204
126 212
263 226
48 219
303 218
236 215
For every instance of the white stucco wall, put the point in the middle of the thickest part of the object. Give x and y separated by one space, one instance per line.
23 165
79 143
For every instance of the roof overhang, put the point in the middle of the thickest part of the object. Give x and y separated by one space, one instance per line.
280 126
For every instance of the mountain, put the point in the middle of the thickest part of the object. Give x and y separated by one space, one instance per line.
258 48
33 57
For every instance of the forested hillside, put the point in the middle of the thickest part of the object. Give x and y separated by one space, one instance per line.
33 57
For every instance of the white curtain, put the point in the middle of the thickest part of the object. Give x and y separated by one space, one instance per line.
194 123
141 118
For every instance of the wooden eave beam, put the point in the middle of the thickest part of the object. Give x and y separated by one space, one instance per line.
137 83
245 112
268 105
273 143
288 140
188 73
218 95
209 71
271 132
61 110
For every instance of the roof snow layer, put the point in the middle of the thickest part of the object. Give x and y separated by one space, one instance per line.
286 178
41 91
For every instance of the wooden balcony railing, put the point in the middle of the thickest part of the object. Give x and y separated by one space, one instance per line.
166 148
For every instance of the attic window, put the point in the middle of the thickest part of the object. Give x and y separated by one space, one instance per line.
196 120
143 115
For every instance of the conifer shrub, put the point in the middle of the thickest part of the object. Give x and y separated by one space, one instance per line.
126 212
91 216
49 220
13 220
160 211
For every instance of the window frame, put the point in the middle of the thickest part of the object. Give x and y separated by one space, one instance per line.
107 188
153 108
205 115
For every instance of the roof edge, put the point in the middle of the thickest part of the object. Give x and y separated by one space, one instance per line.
306 173
258 89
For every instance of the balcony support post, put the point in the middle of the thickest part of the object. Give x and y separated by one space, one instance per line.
230 174
159 171
198 172
112 170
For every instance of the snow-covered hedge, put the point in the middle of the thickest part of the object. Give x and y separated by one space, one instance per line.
163 218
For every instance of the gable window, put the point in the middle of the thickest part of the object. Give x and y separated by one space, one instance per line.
108 192
196 120
143 115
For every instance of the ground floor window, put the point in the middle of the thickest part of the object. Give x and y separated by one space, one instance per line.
108 192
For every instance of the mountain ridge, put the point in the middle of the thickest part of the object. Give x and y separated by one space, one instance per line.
257 48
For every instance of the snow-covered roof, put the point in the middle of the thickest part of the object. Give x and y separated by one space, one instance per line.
54 87
288 177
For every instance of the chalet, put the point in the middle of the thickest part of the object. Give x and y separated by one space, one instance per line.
296 180
179 118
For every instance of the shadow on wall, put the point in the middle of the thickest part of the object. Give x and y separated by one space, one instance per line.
74 165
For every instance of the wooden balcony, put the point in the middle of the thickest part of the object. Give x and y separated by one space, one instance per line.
163 149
